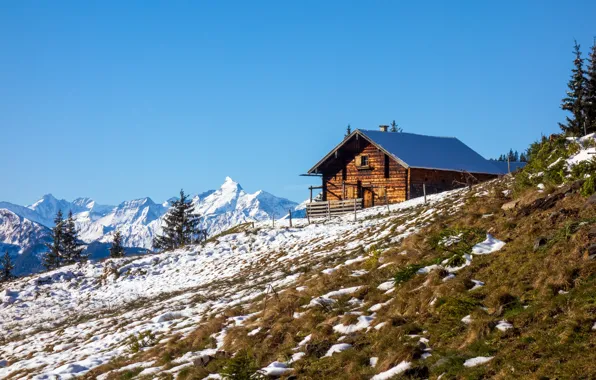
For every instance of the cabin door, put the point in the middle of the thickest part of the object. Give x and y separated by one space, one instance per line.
367 194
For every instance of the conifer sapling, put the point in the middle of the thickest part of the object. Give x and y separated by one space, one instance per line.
117 250
6 268
54 257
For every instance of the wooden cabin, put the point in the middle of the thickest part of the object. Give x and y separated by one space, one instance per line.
383 167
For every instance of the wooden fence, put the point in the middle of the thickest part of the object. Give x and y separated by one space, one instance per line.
329 209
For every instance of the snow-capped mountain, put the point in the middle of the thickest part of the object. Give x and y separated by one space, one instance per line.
23 239
138 220
231 205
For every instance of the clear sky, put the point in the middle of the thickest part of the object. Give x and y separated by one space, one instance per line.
124 99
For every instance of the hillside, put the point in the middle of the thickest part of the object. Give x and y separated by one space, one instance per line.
496 281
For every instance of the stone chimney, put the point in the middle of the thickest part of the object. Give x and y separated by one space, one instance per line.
384 128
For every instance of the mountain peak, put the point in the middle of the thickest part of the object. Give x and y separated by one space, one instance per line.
229 183
48 198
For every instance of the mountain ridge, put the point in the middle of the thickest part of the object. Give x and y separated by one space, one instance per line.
138 220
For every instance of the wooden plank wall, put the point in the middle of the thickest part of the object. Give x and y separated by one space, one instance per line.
333 177
439 180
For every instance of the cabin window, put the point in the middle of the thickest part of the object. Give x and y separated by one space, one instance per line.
344 173
363 160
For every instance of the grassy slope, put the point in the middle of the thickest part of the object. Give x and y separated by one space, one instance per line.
547 293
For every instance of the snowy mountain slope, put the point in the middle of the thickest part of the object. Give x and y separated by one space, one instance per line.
17 230
25 212
139 220
185 288
23 239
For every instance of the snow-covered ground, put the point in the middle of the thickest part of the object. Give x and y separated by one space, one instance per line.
73 319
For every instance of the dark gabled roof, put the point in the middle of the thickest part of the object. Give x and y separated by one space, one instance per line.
424 152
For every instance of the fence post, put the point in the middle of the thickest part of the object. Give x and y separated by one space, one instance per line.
354 209
424 191
386 202
273 219
290 210
308 213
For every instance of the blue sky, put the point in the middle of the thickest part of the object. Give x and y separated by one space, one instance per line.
122 99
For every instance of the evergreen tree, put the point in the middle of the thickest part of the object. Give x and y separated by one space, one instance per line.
348 130
73 250
6 268
590 97
181 226
574 102
54 257
523 158
117 250
394 127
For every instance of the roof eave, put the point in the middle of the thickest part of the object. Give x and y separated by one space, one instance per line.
314 169
455 170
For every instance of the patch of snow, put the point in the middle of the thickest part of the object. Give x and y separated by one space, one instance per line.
358 273
373 361
380 325
378 306
553 164
254 332
401 367
276 369
386 265
477 284
467 319
363 323
504 325
297 356
489 245
386 285
338 348
305 340
428 269
342 292
477 360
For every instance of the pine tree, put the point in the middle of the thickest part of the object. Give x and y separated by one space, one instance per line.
6 268
181 226
394 127
73 250
117 250
590 97
348 130
54 257
574 102
523 158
